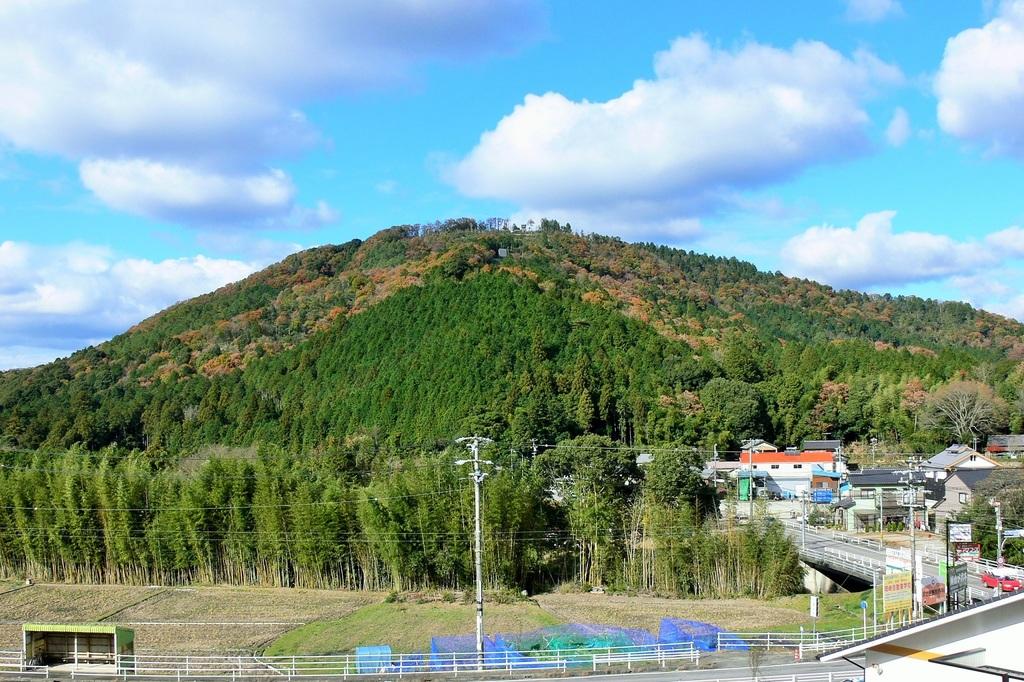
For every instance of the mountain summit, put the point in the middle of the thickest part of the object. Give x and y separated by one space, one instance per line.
423 333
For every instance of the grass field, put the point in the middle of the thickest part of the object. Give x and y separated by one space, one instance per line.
836 611
292 621
407 627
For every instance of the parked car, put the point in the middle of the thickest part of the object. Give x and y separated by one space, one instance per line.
1005 579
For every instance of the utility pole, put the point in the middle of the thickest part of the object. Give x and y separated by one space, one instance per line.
874 442
881 512
911 502
999 529
473 443
750 491
803 518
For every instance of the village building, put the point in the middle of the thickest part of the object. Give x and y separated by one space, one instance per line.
1007 445
790 473
957 457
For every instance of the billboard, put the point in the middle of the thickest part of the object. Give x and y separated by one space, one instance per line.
897 559
967 551
897 592
933 593
960 532
957 578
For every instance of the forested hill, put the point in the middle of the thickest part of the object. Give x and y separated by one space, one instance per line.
420 334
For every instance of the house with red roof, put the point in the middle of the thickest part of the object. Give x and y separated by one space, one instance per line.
791 472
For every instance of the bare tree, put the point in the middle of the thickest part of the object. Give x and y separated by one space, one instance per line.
964 409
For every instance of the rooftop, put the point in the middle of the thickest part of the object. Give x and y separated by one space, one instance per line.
969 611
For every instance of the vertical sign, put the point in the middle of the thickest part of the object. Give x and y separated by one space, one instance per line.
958 583
897 593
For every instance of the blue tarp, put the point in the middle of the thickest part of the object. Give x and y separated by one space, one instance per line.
373 659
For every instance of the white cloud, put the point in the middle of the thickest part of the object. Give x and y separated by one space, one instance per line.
898 131
1009 242
711 124
216 89
57 299
181 193
870 11
871 254
995 290
1011 307
980 83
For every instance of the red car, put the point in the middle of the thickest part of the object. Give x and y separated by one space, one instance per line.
1008 581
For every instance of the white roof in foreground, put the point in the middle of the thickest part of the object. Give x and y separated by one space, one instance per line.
939 621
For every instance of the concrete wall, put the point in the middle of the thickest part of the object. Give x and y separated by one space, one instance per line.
817 582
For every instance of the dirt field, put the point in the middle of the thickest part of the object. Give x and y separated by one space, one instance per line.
647 612
287 621
202 619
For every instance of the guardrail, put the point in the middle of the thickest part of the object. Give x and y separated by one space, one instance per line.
839 536
977 566
805 641
854 564
350 665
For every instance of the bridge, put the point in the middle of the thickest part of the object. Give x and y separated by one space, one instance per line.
863 559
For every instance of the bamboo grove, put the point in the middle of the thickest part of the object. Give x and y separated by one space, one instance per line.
581 512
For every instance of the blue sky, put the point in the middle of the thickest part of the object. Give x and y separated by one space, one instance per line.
149 153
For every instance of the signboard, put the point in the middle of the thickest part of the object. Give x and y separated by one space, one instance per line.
897 559
960 532
814 606
958 578
933 593
897 592
822 496
968 551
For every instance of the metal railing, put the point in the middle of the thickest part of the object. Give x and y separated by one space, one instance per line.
836 536
853 564
351 665
805 641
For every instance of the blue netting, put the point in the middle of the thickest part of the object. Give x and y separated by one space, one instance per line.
449 651
704 636
410 663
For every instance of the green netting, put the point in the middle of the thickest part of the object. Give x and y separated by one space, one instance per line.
577 636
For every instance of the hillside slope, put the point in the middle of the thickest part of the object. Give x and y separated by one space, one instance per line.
421 334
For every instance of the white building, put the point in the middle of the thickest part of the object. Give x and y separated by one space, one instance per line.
982 642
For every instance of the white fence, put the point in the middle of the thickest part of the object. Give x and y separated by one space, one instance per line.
10 660
397 665
804 641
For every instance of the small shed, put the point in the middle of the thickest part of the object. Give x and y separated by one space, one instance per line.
61 644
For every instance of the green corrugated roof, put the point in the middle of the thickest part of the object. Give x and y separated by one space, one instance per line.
69 627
